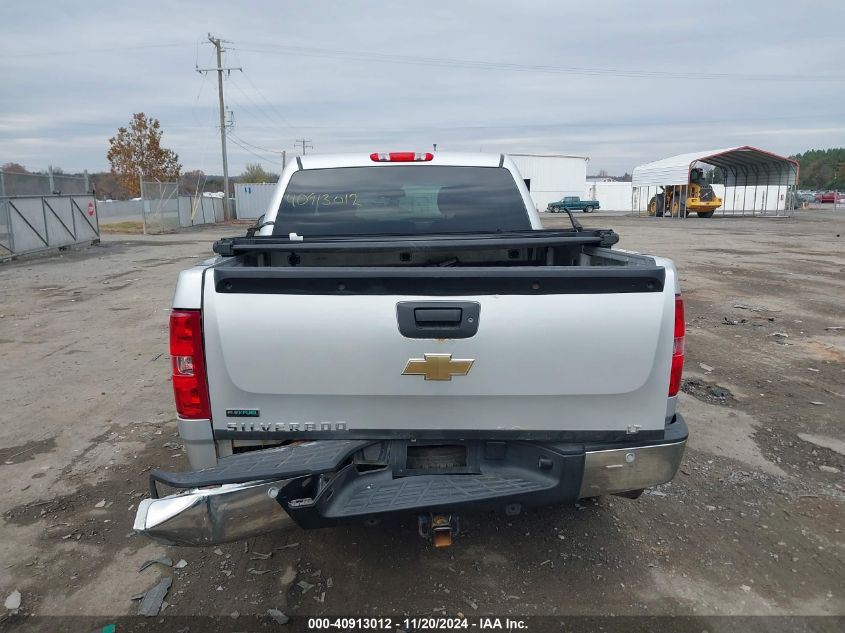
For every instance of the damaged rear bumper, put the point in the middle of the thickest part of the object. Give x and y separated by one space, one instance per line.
322 483
208 516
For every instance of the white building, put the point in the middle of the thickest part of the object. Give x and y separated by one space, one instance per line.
550 177
612 196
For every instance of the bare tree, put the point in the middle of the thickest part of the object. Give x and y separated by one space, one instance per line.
254 172
193 182
107 187
13 168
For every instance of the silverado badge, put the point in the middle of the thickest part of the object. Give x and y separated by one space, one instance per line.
438 367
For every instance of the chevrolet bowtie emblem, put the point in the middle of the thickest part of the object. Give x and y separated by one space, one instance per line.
438 367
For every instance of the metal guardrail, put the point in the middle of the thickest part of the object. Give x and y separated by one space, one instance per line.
29 224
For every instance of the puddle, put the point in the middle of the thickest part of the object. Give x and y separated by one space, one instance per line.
17 454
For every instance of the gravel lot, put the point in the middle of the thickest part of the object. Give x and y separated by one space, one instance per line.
752 525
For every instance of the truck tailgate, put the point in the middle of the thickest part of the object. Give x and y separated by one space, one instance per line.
283 363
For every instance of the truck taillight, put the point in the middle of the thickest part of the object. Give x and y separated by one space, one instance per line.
677 349
401 157
189 382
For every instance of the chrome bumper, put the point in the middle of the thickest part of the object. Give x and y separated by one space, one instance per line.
207 516
230 512
628 469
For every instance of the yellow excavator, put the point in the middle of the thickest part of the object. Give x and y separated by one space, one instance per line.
679 200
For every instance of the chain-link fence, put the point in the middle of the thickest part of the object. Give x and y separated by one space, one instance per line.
42 210
163 210
161 206
49 184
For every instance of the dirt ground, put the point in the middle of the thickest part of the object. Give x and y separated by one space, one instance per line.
752 525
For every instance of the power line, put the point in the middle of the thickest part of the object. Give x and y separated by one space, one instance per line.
249 151
110 49
257 107
206 137
272 152
270 103
305 143
258 147
253 145
199 94
261 94
246 149
280 49
816 117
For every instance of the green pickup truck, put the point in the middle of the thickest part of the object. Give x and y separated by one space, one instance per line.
573 203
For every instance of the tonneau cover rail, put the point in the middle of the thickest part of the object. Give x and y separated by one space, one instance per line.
232 246
436 281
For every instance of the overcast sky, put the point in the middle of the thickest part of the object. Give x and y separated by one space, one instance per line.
621 82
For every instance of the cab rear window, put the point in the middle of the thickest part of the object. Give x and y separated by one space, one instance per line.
401 200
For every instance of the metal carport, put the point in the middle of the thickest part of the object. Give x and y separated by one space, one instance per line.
754 182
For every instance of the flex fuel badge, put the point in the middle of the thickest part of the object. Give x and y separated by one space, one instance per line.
243 413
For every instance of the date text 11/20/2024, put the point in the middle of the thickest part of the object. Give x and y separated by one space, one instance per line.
418 624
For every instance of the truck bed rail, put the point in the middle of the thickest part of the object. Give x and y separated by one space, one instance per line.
231 246
434 281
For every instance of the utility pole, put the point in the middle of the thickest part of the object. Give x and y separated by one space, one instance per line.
218 45
305 143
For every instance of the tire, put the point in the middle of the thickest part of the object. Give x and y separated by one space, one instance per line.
706 214
660 204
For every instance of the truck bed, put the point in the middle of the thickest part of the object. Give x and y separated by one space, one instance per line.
307 335
536 262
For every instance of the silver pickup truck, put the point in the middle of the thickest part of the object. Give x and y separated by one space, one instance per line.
400 334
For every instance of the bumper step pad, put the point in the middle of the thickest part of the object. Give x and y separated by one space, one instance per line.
531 474
284 462
367 497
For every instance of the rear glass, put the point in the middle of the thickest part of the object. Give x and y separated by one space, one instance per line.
400 200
